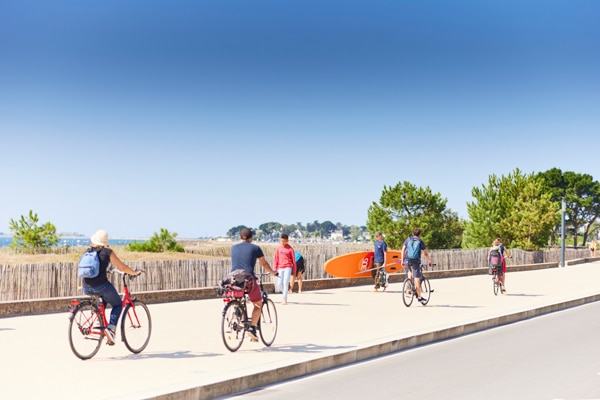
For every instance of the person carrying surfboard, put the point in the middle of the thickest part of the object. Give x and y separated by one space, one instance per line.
379 260
411 250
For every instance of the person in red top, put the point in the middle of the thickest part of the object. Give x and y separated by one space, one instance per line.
284 262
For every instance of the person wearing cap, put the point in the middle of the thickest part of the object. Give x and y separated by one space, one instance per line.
244 256
378 258
101 286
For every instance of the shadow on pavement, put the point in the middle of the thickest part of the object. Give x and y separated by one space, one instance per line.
303 348
172 355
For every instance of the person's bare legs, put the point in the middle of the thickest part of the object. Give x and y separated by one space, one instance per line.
299 283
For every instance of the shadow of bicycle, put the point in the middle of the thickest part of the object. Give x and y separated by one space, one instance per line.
308 348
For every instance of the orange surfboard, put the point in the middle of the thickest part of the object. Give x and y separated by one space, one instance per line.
359 264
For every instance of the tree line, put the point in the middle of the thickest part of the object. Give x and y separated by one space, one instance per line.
525 210
316 230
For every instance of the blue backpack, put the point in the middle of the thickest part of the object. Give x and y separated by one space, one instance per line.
89 264
413 249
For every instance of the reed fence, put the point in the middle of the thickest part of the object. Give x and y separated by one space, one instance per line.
48 280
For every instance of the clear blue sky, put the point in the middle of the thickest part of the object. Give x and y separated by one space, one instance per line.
197 116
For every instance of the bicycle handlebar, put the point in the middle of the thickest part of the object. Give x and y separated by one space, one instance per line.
113 270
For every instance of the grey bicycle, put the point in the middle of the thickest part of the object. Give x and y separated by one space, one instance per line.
409 292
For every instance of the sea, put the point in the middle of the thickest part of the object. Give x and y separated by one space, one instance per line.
75 241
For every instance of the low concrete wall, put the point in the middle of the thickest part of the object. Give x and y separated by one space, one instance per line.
61 304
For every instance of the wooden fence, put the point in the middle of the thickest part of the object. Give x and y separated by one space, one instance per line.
48 280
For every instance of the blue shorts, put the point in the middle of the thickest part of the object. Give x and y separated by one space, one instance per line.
415 267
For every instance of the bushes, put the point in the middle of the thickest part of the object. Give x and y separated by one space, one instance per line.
158 243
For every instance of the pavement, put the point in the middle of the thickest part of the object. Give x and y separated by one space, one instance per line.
318 330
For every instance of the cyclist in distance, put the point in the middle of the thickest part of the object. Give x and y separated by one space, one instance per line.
411 254
505 254
100 285
244 256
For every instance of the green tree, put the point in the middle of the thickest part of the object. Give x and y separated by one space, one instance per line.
234 232
355 233
289 229
30 236
404 207
582 198
160 242
515 208
271 229
327 228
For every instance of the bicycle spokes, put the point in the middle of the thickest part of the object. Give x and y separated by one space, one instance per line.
232 326
136 326
86 331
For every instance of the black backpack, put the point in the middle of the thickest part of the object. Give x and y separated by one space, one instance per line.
238 278
495 258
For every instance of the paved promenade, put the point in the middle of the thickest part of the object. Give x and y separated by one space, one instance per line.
319 329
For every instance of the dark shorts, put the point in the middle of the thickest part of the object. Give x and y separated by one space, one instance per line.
415 267
300 266
500 270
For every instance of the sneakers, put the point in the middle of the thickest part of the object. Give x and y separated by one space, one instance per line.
502 289
252 334
110 336
422 300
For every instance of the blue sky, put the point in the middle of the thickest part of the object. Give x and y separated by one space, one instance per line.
197 116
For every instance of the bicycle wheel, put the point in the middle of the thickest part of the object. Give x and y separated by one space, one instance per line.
268 322
407 292
86 331
232 326
425 290
136 326
496 284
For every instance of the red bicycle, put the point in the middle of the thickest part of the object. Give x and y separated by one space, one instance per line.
87 323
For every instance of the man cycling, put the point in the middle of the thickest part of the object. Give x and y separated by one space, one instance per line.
244 256
411 254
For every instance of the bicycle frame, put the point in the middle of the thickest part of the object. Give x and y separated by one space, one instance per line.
88 324
236 321
101 306
496 280
409 289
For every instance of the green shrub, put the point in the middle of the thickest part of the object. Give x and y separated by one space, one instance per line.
163 241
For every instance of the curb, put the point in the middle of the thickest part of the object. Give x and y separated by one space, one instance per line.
255 380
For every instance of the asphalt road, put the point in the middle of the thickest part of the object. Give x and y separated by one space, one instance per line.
548 358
